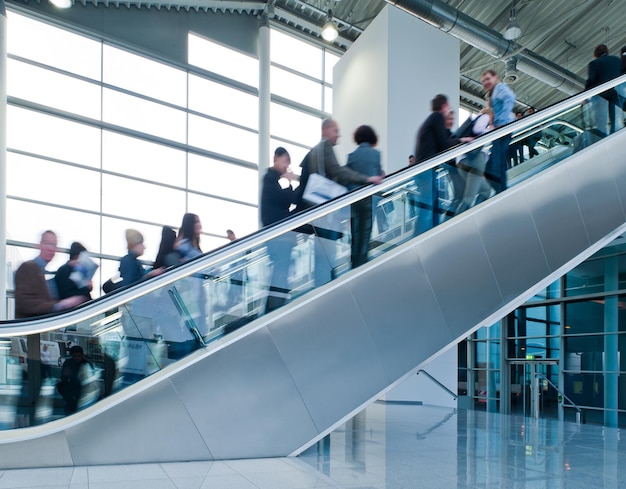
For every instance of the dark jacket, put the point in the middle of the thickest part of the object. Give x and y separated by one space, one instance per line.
32 296
275 200
131 270
601 70
66 287
433 138
365 160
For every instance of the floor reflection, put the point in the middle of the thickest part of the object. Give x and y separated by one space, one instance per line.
405 446
390 447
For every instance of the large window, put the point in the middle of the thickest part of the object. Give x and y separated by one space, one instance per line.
225 61
99 140
103 137
301 87
576 329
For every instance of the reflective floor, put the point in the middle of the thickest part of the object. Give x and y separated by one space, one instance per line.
390 447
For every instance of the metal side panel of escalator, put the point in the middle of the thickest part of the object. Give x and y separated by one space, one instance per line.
276 385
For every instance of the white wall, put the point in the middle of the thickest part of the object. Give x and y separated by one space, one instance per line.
444 368
387 80
360 86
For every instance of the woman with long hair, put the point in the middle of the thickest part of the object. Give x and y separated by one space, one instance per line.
188 240
167 256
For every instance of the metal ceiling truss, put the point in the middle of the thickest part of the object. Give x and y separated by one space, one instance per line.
225 6
293 13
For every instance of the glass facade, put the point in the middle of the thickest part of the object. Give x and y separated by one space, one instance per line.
104 137
566 342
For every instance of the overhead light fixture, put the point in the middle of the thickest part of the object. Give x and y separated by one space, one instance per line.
512 31
330 31
61 3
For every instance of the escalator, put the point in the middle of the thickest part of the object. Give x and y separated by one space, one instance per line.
191 365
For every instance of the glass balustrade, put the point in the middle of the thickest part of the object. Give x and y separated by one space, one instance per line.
134 333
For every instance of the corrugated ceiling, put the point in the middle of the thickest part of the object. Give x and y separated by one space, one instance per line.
564 32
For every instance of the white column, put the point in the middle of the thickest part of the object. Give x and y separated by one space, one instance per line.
264 104
3 159
382 82
387 79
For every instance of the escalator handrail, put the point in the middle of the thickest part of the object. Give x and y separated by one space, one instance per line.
258 238
515 126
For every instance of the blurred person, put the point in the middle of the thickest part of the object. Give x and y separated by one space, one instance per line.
621 89
131 270
532 140
236 293
73 373
45 356
501 100
411 200
32 292
324 154
472 165
456 179
167 255
188 240
366 161
321 159
606 118
516 150
432 138
191 288
276 203
66 285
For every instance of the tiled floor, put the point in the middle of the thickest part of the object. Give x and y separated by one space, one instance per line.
389 447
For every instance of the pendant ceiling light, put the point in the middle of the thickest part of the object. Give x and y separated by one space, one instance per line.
61 3
330 31
512 31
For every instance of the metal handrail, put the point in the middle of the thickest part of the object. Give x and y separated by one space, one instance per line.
452 393
580 415
553 122
240 246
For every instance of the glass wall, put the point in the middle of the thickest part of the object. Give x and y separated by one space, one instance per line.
301 76
102 137
573 332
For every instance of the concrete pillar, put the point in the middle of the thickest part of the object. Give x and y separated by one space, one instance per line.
387 79
264 104
3 159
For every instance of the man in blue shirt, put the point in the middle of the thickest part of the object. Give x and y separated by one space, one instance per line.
501 100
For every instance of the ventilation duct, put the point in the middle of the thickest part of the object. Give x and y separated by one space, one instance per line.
511 74
469 30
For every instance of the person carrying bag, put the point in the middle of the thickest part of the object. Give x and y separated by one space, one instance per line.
320 189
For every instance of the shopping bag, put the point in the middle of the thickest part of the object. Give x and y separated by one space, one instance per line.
320 189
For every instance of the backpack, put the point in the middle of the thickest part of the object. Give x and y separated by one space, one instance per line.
465 130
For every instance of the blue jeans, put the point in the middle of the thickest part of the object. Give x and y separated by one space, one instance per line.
426 202
279 252
607 116
361 226
497 163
